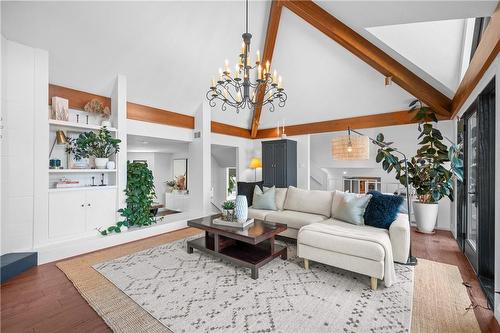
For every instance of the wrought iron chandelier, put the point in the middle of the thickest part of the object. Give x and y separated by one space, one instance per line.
237 89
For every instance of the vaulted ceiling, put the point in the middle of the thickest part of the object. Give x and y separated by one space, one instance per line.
169 51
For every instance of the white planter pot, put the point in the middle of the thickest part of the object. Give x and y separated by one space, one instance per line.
100 163
426 216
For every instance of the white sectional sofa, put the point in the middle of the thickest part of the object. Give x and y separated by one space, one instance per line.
320 237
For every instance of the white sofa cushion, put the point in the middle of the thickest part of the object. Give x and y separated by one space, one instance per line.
259 214
314 202
293 219
318 235
280 194
399 231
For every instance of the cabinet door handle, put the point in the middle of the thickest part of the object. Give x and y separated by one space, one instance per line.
88 205
83 205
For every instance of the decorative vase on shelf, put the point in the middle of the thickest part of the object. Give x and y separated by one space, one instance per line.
426 216
100 163
111 165
241 208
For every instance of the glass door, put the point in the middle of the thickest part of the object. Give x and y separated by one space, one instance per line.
471 223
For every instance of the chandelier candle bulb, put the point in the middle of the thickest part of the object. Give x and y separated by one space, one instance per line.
268 66
275 76
280 82
258 57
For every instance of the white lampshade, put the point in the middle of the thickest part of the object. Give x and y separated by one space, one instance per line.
360 148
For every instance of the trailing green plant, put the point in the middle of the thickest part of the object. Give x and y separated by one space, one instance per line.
140 193
100 144
432 170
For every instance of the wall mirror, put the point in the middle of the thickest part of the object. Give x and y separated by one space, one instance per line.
180 169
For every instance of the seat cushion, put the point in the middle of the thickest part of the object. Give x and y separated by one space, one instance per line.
259 214
314 202
318 235
294 219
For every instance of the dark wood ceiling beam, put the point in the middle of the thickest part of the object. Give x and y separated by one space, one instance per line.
486 52
226 129
371 121
271 34
371 54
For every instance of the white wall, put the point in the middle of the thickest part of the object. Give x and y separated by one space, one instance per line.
24 155
218 183
404 137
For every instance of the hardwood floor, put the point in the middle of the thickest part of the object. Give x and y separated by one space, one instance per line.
44 300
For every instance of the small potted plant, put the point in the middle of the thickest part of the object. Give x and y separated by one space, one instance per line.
228 210
170 185
100 145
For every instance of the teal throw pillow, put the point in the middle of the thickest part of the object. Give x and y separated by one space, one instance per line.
264 199
351 208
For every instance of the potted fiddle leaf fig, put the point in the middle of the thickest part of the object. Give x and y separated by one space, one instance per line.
431 172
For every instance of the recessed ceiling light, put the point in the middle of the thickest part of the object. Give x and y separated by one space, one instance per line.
144 142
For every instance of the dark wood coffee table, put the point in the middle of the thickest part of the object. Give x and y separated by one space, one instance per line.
252 247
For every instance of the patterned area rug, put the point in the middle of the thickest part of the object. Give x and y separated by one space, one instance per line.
198 293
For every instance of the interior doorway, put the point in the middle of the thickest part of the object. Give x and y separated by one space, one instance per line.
224 174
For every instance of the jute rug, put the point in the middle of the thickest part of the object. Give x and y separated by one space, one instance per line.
122 314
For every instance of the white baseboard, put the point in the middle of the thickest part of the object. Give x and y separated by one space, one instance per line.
61 250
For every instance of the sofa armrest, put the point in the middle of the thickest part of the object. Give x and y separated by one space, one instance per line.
399 233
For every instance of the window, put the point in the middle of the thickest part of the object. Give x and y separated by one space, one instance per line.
231 183
479 28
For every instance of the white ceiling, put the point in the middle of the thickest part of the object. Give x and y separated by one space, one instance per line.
144 144
169 51
435 47
325 81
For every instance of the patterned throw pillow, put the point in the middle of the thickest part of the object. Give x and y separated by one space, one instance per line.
264 199
382 209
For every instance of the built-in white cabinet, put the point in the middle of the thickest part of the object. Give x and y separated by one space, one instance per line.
78 212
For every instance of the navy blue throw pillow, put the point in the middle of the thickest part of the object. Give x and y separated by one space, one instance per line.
382 209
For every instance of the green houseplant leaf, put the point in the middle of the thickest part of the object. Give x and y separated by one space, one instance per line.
140 193
428 174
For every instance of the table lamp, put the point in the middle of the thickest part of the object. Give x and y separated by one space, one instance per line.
60 139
